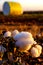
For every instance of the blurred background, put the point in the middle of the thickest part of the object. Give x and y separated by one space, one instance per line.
30 20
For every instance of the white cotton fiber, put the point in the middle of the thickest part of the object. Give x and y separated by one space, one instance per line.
36 51
39 48
24 45
23 35
15 32
7 34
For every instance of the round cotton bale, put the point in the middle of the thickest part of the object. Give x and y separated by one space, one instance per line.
12 8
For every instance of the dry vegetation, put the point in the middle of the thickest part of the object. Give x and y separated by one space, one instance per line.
34 29
24 23
27 22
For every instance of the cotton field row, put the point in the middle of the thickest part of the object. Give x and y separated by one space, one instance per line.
25 42
19 47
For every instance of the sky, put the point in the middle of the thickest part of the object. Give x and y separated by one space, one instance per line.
28 5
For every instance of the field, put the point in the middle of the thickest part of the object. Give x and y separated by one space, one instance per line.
27 22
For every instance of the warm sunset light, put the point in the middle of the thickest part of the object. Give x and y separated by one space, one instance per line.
21 32
28 5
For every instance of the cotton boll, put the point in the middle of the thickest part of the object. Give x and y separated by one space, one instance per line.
34 52
23 35
15 32
7 34
31 39
39 48
24 45
24 41
34 42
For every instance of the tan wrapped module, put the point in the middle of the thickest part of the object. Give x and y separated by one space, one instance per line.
12 8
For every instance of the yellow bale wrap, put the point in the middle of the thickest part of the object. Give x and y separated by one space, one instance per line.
12 8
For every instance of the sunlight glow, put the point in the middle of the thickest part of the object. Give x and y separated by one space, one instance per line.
29 5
